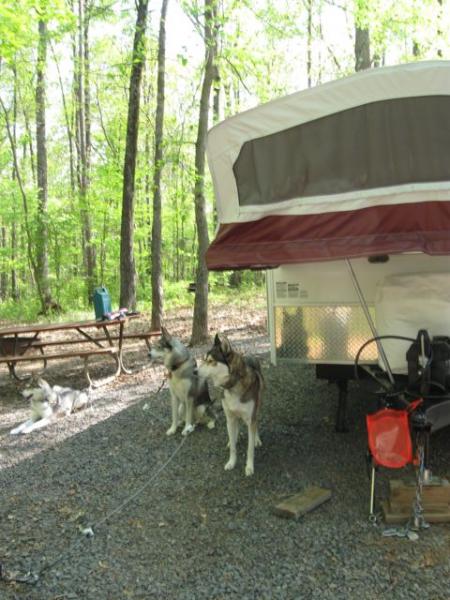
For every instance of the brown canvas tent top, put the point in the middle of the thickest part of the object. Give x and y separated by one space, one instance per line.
352 168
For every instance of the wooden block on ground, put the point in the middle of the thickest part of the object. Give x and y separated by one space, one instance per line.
438 513
403 491
303 502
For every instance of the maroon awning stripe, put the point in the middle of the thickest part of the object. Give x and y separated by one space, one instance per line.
276 240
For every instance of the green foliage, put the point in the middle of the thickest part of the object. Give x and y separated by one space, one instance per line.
262 55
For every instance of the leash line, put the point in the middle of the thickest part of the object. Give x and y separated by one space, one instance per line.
31 578
142 488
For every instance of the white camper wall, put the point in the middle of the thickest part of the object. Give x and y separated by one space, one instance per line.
314 312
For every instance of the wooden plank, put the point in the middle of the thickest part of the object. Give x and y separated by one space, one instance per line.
126 336
80 353
303 502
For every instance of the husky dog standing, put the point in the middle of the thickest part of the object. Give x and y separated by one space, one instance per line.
47 403
189 393
241 379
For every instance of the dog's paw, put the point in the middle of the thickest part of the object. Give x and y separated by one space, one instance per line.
171 431
211 424
188 429
230 465
258 442
249 470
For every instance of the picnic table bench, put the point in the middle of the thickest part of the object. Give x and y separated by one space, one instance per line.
17 347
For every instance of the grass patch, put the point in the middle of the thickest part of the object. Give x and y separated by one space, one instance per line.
176 296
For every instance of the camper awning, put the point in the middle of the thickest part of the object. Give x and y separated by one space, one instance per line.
355 167
277 240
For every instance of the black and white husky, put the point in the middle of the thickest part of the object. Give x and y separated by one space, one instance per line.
48 403
242 382
189 393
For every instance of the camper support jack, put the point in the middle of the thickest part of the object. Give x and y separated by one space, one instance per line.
338 374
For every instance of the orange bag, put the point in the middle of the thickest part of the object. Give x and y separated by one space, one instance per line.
390 438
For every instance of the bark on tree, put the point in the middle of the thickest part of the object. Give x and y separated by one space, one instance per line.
439 30
83 139
127 263
67 122
216 95
200 319
362 48
3 268
309 43
157 287
30 245
41 164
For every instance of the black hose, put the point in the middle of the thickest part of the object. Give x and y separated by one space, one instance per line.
375 339
398 392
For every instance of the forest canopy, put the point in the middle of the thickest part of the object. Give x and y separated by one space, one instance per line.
104 109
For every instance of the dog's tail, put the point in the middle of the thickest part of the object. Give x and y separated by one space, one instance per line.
259 391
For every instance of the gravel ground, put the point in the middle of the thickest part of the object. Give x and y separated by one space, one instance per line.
192 530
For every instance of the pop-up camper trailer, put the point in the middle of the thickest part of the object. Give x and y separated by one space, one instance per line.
343 193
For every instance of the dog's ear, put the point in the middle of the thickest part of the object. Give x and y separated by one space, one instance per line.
49 393
165 334
44 385
222 341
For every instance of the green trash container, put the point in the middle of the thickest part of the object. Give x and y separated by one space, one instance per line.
102 302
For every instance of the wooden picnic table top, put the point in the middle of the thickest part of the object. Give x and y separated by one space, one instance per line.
42 327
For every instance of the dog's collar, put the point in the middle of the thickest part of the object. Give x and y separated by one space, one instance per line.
177 365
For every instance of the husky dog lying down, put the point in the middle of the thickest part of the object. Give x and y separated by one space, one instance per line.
242 382
190 399
48 403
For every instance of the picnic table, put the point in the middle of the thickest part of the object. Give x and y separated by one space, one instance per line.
28 343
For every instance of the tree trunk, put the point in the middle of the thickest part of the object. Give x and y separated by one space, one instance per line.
3 267
439 30
82 94
127 265
41 163
216 95
68 124
14 288
157 288
362 48
30 245
309 44
200 320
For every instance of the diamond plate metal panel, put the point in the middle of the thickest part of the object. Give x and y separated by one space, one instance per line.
331 334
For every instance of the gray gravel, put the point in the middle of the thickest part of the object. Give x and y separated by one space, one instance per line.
196 531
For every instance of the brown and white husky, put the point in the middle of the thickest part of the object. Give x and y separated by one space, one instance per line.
242 382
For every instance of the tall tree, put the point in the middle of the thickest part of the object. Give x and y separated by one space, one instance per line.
440 17
200 320
362 36
309 42
43 280
157 288
127 264
83 139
